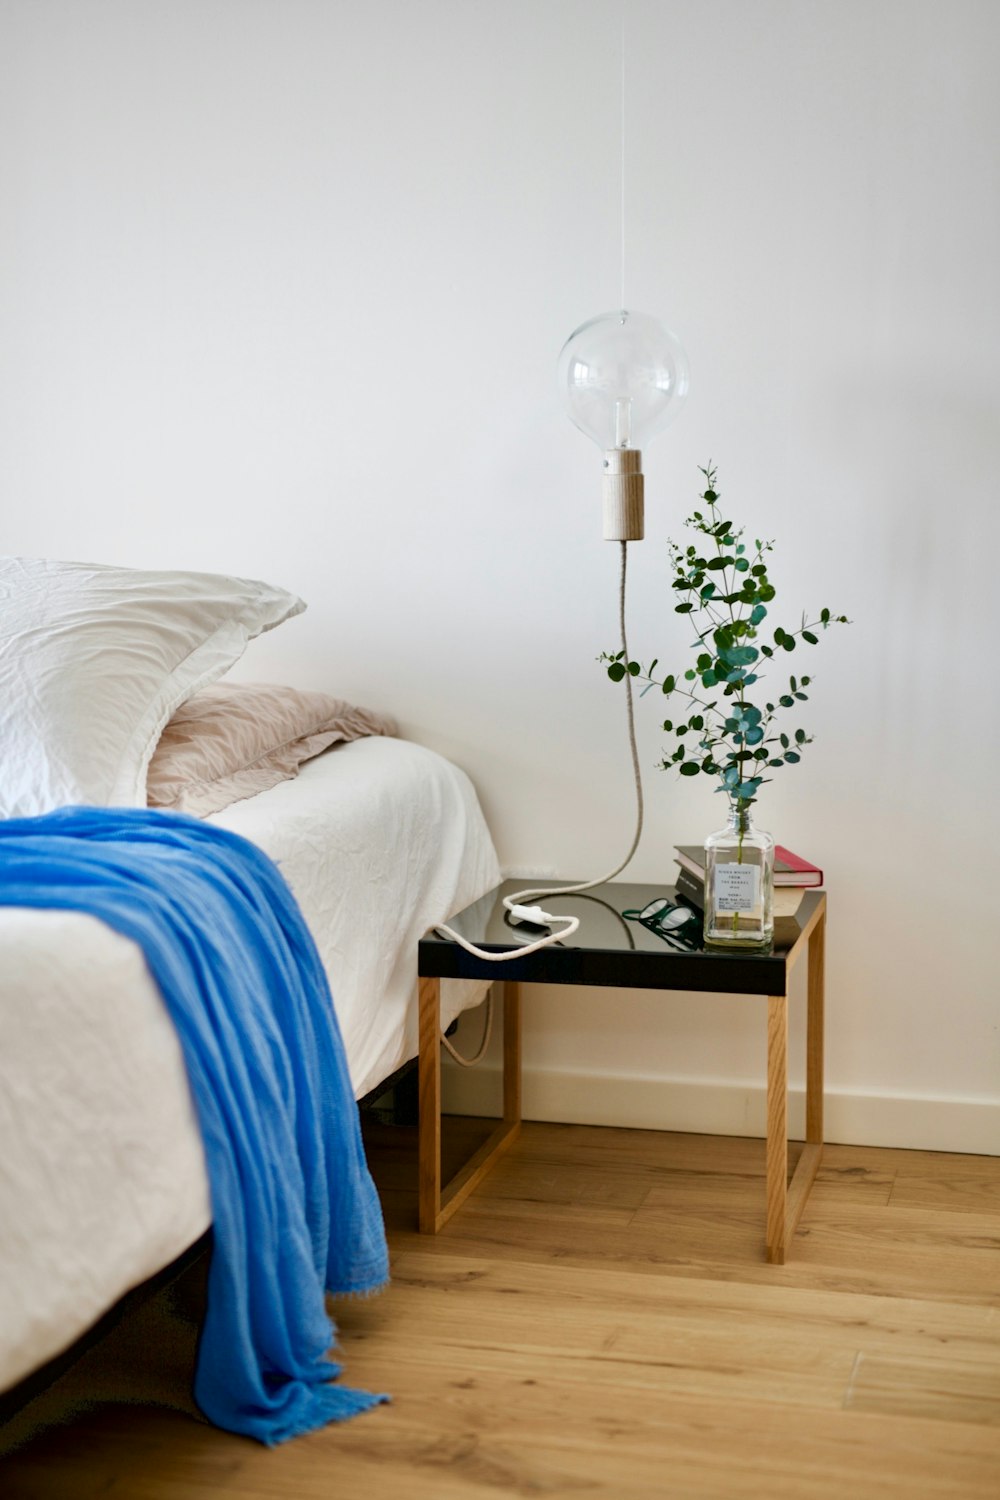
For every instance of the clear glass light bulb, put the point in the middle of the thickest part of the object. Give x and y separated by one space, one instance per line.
623 377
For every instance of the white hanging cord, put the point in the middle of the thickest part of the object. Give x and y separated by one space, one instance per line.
515 903
470 1062
570 890
622 212
535 914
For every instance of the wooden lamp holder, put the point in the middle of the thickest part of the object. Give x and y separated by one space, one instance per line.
623 495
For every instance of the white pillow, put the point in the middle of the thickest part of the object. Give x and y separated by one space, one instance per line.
93 662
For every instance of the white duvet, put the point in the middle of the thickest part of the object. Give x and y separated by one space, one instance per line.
102 1175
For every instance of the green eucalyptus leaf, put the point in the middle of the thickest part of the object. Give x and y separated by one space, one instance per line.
739 656
690 768
616 671
792 757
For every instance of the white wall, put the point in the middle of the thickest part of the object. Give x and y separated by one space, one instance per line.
282 286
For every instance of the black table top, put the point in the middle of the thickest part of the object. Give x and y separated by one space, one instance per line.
609 949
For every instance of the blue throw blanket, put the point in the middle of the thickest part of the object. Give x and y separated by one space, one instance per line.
295 1211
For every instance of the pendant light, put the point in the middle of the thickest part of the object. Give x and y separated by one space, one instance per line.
623 377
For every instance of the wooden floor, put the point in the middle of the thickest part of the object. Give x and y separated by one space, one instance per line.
599 1322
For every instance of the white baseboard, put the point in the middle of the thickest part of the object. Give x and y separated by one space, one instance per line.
715 1107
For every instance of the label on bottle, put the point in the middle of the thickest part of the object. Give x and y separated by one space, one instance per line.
736 887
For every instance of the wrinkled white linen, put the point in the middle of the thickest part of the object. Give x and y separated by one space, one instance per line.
102 1175
378 839
93 662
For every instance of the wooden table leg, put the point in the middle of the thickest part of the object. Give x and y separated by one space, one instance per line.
814 1033
786 1200
512 1052
429 1082
777 1127
438 1201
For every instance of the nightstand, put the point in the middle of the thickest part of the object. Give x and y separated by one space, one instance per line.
625 955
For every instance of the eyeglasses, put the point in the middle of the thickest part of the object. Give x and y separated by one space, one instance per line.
675 924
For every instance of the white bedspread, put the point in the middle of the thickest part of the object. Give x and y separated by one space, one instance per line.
102 1175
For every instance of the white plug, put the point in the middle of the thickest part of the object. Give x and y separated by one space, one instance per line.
531 914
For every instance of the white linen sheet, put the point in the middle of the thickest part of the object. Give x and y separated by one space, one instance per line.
102 1174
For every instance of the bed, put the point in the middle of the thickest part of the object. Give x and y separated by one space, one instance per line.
103 1178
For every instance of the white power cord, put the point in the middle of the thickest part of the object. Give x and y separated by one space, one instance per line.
535 914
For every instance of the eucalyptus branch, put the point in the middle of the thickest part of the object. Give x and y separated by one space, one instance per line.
735 732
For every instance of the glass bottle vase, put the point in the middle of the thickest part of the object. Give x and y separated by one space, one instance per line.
739 885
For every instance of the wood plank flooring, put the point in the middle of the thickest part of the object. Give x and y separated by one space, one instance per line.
598 1323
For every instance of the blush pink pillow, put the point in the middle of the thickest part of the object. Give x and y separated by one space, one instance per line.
233 740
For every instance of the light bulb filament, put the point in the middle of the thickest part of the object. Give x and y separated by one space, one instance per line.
623 421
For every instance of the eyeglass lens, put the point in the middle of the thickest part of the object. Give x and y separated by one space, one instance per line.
671 917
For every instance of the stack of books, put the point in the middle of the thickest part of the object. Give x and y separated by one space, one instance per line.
792 873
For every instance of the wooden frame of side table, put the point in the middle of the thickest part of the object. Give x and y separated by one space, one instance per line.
647 963
438 1201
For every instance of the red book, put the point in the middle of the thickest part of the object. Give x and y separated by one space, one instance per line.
792 869
789 868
